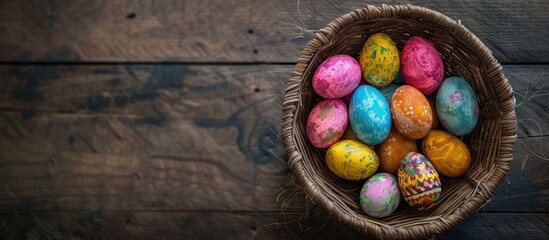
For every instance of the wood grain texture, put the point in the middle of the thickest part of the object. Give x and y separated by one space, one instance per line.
89 224
236 31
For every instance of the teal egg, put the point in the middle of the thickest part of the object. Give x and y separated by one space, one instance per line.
370 115
388 91
399 79
457 106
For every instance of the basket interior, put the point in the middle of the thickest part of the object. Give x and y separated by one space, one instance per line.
460 59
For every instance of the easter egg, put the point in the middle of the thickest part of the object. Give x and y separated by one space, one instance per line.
418 181
457 106
326 122
337 76
448 154
380 196
347 98
422 66
369 115
393 149
411 112
351 160
379 60
388 91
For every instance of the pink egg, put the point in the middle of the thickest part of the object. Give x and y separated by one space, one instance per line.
347 98
421 65
327 122
337 76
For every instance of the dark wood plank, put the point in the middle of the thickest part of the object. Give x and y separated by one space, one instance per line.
236 31
91 224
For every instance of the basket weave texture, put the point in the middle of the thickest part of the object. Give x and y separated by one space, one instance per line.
490 143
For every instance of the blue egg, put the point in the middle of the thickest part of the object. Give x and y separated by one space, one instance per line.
388 91
369 115
457 106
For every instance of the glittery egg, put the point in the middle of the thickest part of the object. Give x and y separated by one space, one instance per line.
352 160
393 149
418 181
422 66
379 60
380 195
337 76
326 122
411 112
369 115
388 91
457 106
448 154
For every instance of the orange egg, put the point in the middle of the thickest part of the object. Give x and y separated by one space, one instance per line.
435 117
393 149
448 154
411 112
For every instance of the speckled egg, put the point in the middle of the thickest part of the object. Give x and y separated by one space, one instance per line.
422 66
411 112
379 60
337 76
352 160
457 106
369 115
388 91
393 149
418 181
347 98
326 122
448 154
380 195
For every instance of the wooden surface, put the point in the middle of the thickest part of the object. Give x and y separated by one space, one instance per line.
160 119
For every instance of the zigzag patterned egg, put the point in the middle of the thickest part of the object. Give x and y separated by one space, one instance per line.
419 181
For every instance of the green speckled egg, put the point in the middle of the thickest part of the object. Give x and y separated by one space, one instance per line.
352 160
379 60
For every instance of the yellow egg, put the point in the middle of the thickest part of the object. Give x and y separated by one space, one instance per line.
352 160
448 154
379 60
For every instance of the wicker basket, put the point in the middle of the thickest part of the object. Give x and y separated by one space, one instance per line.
491 143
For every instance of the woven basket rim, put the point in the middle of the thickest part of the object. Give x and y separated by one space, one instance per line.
293 101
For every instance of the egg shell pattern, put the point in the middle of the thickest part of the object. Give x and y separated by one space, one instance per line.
327 122
380 195
418 181
388 91
337 76
448 154
349 134
379 60
393 149
369 115
411 112
352 160
422 66
347 98
457 106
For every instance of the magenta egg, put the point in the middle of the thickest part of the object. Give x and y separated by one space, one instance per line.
337 76
327 122
421 65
